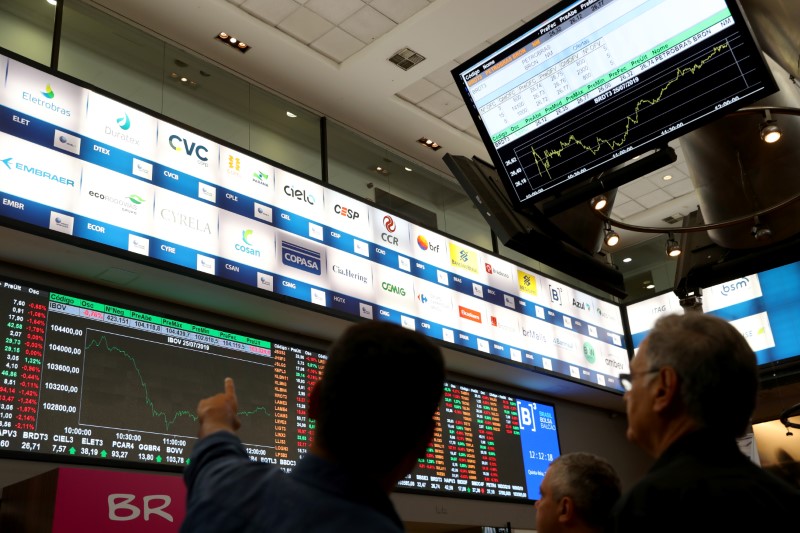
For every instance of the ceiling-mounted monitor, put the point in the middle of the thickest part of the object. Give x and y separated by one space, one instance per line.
589 84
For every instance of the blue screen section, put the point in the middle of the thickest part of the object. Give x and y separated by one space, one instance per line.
539 438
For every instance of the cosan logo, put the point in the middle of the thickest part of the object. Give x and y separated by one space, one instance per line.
35 171
299 194
389 224
394 289
302 258
187 221
191 149
247 247
46 103
345 212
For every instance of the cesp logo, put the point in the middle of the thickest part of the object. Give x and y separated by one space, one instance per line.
182 145
345 212
299 194
122 509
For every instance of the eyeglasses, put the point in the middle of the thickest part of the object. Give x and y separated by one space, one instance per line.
626 380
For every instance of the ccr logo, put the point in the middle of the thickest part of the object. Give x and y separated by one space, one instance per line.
299 194
182 145
389 224
345 212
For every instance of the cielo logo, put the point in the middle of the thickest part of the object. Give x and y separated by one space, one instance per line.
302 258
36 171
346 212
389 224
47 103
190 148
299 194
129 204
187 221
394 289
247 247
124 122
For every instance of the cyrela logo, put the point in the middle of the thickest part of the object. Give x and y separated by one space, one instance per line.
302 258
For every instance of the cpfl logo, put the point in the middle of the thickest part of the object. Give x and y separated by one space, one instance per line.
180 145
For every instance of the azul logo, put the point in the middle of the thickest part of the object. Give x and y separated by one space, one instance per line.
49 94
187 221
248 246
581 305
182 145
389 224
39 173
346 272
394 289
299 194
345 212
588 353
124 122
555 295
491 270
527 283
425 244
302 258
733 286
129 204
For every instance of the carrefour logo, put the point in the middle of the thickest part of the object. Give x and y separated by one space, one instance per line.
301 258
48 94
394 289
247 247
182 145
35 171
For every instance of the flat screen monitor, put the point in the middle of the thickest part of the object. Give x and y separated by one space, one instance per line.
86 381
590 84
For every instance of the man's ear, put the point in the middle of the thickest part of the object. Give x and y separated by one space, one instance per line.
667 388
565 510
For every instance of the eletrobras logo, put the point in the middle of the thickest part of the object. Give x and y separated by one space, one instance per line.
527 283
128 204
462 258
36 171
46 102
302 258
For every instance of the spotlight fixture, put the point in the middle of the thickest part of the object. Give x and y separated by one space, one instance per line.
232 41
770 131
673 248
599 202
612 237
290 114
429 143
759 230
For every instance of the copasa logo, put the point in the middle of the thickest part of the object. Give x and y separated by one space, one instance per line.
49 94
299 194
389 224
248 246
128 204
191 149
302 258
124 122
39 173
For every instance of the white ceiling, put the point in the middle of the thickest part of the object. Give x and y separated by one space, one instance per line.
332 56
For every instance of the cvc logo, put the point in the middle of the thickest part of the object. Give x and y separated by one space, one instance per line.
200 151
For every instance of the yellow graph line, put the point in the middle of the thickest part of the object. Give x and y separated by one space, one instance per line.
629 120
153 411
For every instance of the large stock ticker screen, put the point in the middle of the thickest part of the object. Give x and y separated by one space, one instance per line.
90 382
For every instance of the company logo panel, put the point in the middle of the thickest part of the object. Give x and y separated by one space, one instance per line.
390 231
350 275
185 151
642 315
301 259
394 290
500 274
39 174
473 315
537 337
731 293
246 175
184 221
429 247
299 195
757 330
43 96
435 303
116 199
466 261
529 286
568 347
117 125
348 215
246 241
504 325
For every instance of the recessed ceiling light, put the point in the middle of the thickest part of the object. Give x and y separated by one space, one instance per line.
290 114
184 79
429 143
650 286
232 41
667 177
408 169
52 2
627 260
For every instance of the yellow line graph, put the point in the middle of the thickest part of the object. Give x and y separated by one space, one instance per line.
544 161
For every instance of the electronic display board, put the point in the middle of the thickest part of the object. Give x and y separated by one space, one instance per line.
589 84
85 381
86 168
